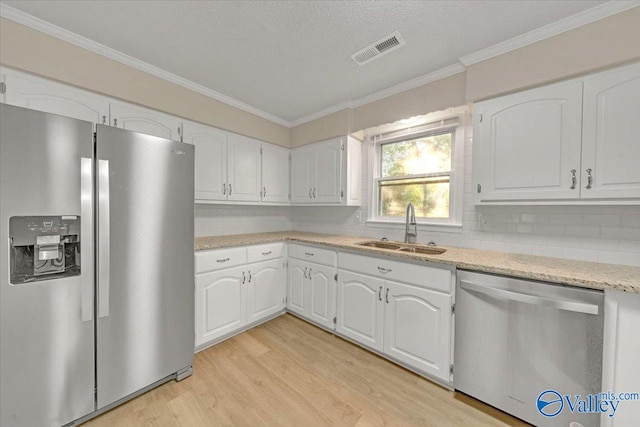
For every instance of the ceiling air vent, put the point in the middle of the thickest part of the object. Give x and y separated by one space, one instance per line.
379 48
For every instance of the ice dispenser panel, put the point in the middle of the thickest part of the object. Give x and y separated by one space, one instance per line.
43 247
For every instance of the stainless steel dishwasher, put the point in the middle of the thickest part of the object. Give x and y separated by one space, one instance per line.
529 348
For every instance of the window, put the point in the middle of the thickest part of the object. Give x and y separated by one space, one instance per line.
419 166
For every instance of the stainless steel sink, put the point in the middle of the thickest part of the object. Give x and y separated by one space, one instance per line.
379 244
425 250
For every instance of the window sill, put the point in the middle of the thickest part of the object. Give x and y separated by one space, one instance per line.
449 228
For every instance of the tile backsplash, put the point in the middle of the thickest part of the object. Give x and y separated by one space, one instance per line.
608 233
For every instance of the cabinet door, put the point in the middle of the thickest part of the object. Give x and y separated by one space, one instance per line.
328 172
275 174
527 145
243 169
143 120
610 144
360 308
264 289
417 328
297 287
25 90
302 165
220 303
210 161
322 294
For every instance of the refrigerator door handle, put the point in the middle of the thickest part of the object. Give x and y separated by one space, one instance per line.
103 238
86 234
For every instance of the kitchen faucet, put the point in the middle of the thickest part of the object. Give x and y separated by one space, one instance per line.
410 235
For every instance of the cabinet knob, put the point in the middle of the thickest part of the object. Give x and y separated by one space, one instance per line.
573 179
104 120
589 179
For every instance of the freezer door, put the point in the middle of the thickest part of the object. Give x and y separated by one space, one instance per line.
46 326
145 267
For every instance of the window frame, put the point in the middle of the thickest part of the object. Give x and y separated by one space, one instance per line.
453 124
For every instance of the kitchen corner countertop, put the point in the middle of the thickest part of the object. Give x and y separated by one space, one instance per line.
557 270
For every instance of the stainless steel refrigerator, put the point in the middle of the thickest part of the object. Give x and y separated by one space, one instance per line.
97 280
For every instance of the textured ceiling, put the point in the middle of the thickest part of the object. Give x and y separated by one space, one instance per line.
292 58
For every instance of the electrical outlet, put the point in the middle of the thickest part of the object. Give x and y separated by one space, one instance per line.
483 222
358 217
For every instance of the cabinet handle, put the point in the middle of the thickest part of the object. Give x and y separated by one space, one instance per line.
314 192
104 120
249 276
223 260
384 270
387 296
243 278
264 191
309 272
224 189
115 122
266 253
380 294
229 189
305 273
309 192
573 179
589 179
308 253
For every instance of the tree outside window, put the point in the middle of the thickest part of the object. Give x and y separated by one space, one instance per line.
415 171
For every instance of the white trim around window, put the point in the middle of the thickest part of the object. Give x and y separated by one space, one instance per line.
452 120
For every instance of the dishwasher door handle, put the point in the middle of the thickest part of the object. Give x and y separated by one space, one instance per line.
560 304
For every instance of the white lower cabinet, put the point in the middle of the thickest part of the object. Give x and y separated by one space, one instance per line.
220 303
265 290
409 320
312 286
229 299
417 328
620 368
360 308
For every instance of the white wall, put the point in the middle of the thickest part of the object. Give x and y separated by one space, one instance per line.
213 220
608 234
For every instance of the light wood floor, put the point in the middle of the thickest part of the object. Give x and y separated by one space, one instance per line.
289 373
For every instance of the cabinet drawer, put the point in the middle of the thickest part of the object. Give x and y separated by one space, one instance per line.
313 254
265 252
220 258
425 276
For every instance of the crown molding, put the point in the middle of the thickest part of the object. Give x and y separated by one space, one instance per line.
83 42
384 93
563 25
550 30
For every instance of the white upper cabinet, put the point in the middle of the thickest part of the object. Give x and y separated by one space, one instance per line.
210 161
243 169
302 163
611 141
574 141
234 168
275 174
327 173
527 145
25 90
143 120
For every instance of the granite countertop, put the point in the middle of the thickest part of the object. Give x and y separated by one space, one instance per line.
557 270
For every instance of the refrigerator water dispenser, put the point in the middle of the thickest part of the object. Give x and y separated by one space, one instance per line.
43 247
